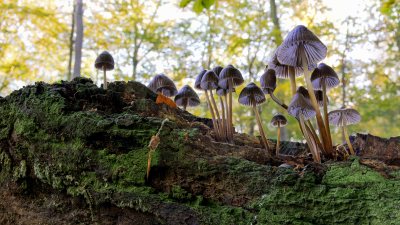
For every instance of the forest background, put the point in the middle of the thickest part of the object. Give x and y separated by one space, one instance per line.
180 38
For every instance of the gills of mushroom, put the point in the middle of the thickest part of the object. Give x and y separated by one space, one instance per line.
186 96
342 118
302 48
252 95
324 78
229 78
268 85
104 62
278 121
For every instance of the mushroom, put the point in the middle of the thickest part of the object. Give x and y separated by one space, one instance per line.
301 108
319 95
209 82
302 48
342 118
161 84
278 121
285 71
104 62
229 78
324 78
252 95
197 85
187 97
268 85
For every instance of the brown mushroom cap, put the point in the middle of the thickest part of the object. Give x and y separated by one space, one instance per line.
104 60
300 105
301 41
186 95
209 81
198 80
230 72
278 119
281 70
324 74
268 81
162 83
319 95
251 95
343 117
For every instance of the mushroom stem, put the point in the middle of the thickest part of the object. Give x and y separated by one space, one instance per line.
346 135
292 79
221 101
260 127
185 103
228 128
230 85
310 142
216 130
315 136
278 138
218 118
324 136
105 78
325 102
279 102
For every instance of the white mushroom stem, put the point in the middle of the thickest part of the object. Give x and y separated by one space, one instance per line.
310 141
228 127
218 117
325 102
260 127
215 125
346 135
221 101
105 78
230 85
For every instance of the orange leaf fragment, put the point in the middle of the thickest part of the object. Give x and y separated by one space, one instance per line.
161 99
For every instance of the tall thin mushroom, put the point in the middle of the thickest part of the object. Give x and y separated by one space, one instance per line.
302 48
252 95
342 118
104 62
229 78
278 121
187 97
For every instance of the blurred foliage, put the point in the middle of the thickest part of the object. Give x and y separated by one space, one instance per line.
181 37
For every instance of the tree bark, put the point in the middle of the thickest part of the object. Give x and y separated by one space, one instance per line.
79 38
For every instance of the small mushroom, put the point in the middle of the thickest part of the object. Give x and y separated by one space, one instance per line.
319 95
278 121
268 85
187 97
104 62
229 78
252 95
161 84
342 118
302 48
324 78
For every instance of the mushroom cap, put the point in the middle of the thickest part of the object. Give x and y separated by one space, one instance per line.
268 81
223 92
278 119
105 60
162 83
301 41
300 105
281 70
319 95
209 81
343 117
217 70
230 72
198 80
251 95
303 91
186 95
324 74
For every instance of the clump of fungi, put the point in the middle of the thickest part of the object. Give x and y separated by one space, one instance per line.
104 62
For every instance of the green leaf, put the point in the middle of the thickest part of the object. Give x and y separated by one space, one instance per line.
208 3
184 3
198 6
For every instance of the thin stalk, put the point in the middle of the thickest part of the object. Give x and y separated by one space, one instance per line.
346 135
216 130
228 126
320 122
314 133
218 117
224 125
292 79
278 138
311 144
279 102
185 103
325 101
105 78
260 127
230 85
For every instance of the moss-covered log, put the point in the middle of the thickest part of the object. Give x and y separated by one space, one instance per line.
72 153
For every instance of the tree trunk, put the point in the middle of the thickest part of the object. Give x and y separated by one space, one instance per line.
275 20
79 38
71 43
